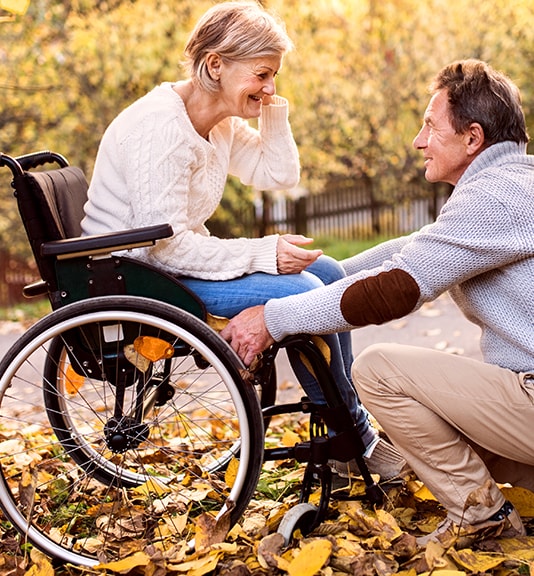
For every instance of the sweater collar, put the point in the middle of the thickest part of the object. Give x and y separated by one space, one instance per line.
496 155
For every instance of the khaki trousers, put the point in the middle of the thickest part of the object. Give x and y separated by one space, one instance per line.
458 422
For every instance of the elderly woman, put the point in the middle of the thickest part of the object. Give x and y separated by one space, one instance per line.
167 156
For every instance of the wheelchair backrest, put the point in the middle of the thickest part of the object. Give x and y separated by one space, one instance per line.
51 207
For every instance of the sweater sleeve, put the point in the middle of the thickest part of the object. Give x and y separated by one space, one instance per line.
266 158
474 234
161 168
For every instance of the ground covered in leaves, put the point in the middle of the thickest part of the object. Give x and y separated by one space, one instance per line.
353 539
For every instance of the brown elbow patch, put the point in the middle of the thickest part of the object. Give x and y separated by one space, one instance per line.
381 298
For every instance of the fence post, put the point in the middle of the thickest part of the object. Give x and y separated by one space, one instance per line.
301 220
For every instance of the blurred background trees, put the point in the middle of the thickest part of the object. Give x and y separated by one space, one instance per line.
356 80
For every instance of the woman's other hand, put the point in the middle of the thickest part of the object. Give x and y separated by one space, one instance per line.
291 259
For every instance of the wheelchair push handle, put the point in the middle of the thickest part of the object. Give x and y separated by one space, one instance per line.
21 163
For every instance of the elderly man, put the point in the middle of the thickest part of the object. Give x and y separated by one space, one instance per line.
461 424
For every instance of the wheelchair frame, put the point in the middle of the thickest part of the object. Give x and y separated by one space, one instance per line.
219 442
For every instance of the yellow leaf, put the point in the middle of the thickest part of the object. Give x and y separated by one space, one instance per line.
217 323
175 524
311 558
290 438
19 7
152 486
424 494
522 499
477 562
231 472
41 566
126 564
387 519
138 360
199 566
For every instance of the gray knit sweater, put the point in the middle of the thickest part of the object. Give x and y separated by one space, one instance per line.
480 248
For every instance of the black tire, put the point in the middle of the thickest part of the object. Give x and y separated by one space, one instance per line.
86 474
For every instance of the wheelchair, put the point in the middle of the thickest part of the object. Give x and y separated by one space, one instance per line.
123 414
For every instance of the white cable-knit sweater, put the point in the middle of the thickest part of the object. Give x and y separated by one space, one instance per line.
480 248
152 167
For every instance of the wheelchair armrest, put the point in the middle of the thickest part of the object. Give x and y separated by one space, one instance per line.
38 288
106 243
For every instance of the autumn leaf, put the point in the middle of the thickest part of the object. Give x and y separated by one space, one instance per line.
210 530
477 562
231 472
42 565
311 558
126 564
521 498
480 496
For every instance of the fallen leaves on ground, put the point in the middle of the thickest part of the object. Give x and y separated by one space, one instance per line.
354 538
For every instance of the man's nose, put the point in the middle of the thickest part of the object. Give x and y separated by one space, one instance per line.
420 140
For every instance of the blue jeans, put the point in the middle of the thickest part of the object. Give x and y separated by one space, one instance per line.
229 297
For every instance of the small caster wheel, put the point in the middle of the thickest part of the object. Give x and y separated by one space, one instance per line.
300 517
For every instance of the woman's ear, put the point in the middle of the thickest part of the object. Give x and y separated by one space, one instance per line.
213 64
475 139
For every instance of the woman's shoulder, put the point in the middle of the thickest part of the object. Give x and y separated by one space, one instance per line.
161 110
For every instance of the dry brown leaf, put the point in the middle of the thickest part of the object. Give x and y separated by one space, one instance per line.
481 495
444 573
210 530
269 549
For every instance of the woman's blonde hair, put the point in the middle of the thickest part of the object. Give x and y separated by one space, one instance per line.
236 31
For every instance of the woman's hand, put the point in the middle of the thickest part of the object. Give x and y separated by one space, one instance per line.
290 258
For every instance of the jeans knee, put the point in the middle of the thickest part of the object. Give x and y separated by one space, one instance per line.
327 269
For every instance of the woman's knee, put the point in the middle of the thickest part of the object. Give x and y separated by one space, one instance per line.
328 269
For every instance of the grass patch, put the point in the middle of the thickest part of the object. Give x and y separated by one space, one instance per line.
26 312
341 249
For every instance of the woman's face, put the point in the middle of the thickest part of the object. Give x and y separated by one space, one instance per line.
247 84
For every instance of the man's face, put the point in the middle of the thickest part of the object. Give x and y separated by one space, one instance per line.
445 151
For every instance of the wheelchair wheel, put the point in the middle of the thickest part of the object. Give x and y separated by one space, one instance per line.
122 421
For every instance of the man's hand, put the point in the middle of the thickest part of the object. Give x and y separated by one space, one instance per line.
248 334
290 258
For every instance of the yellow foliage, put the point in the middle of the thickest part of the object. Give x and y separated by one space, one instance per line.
310 559
126 564
522 499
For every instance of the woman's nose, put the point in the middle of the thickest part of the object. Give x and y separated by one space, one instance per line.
270 87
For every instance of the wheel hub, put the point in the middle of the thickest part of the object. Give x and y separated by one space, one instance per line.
124 434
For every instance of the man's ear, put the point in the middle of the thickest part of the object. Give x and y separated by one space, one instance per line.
213 64
475 139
